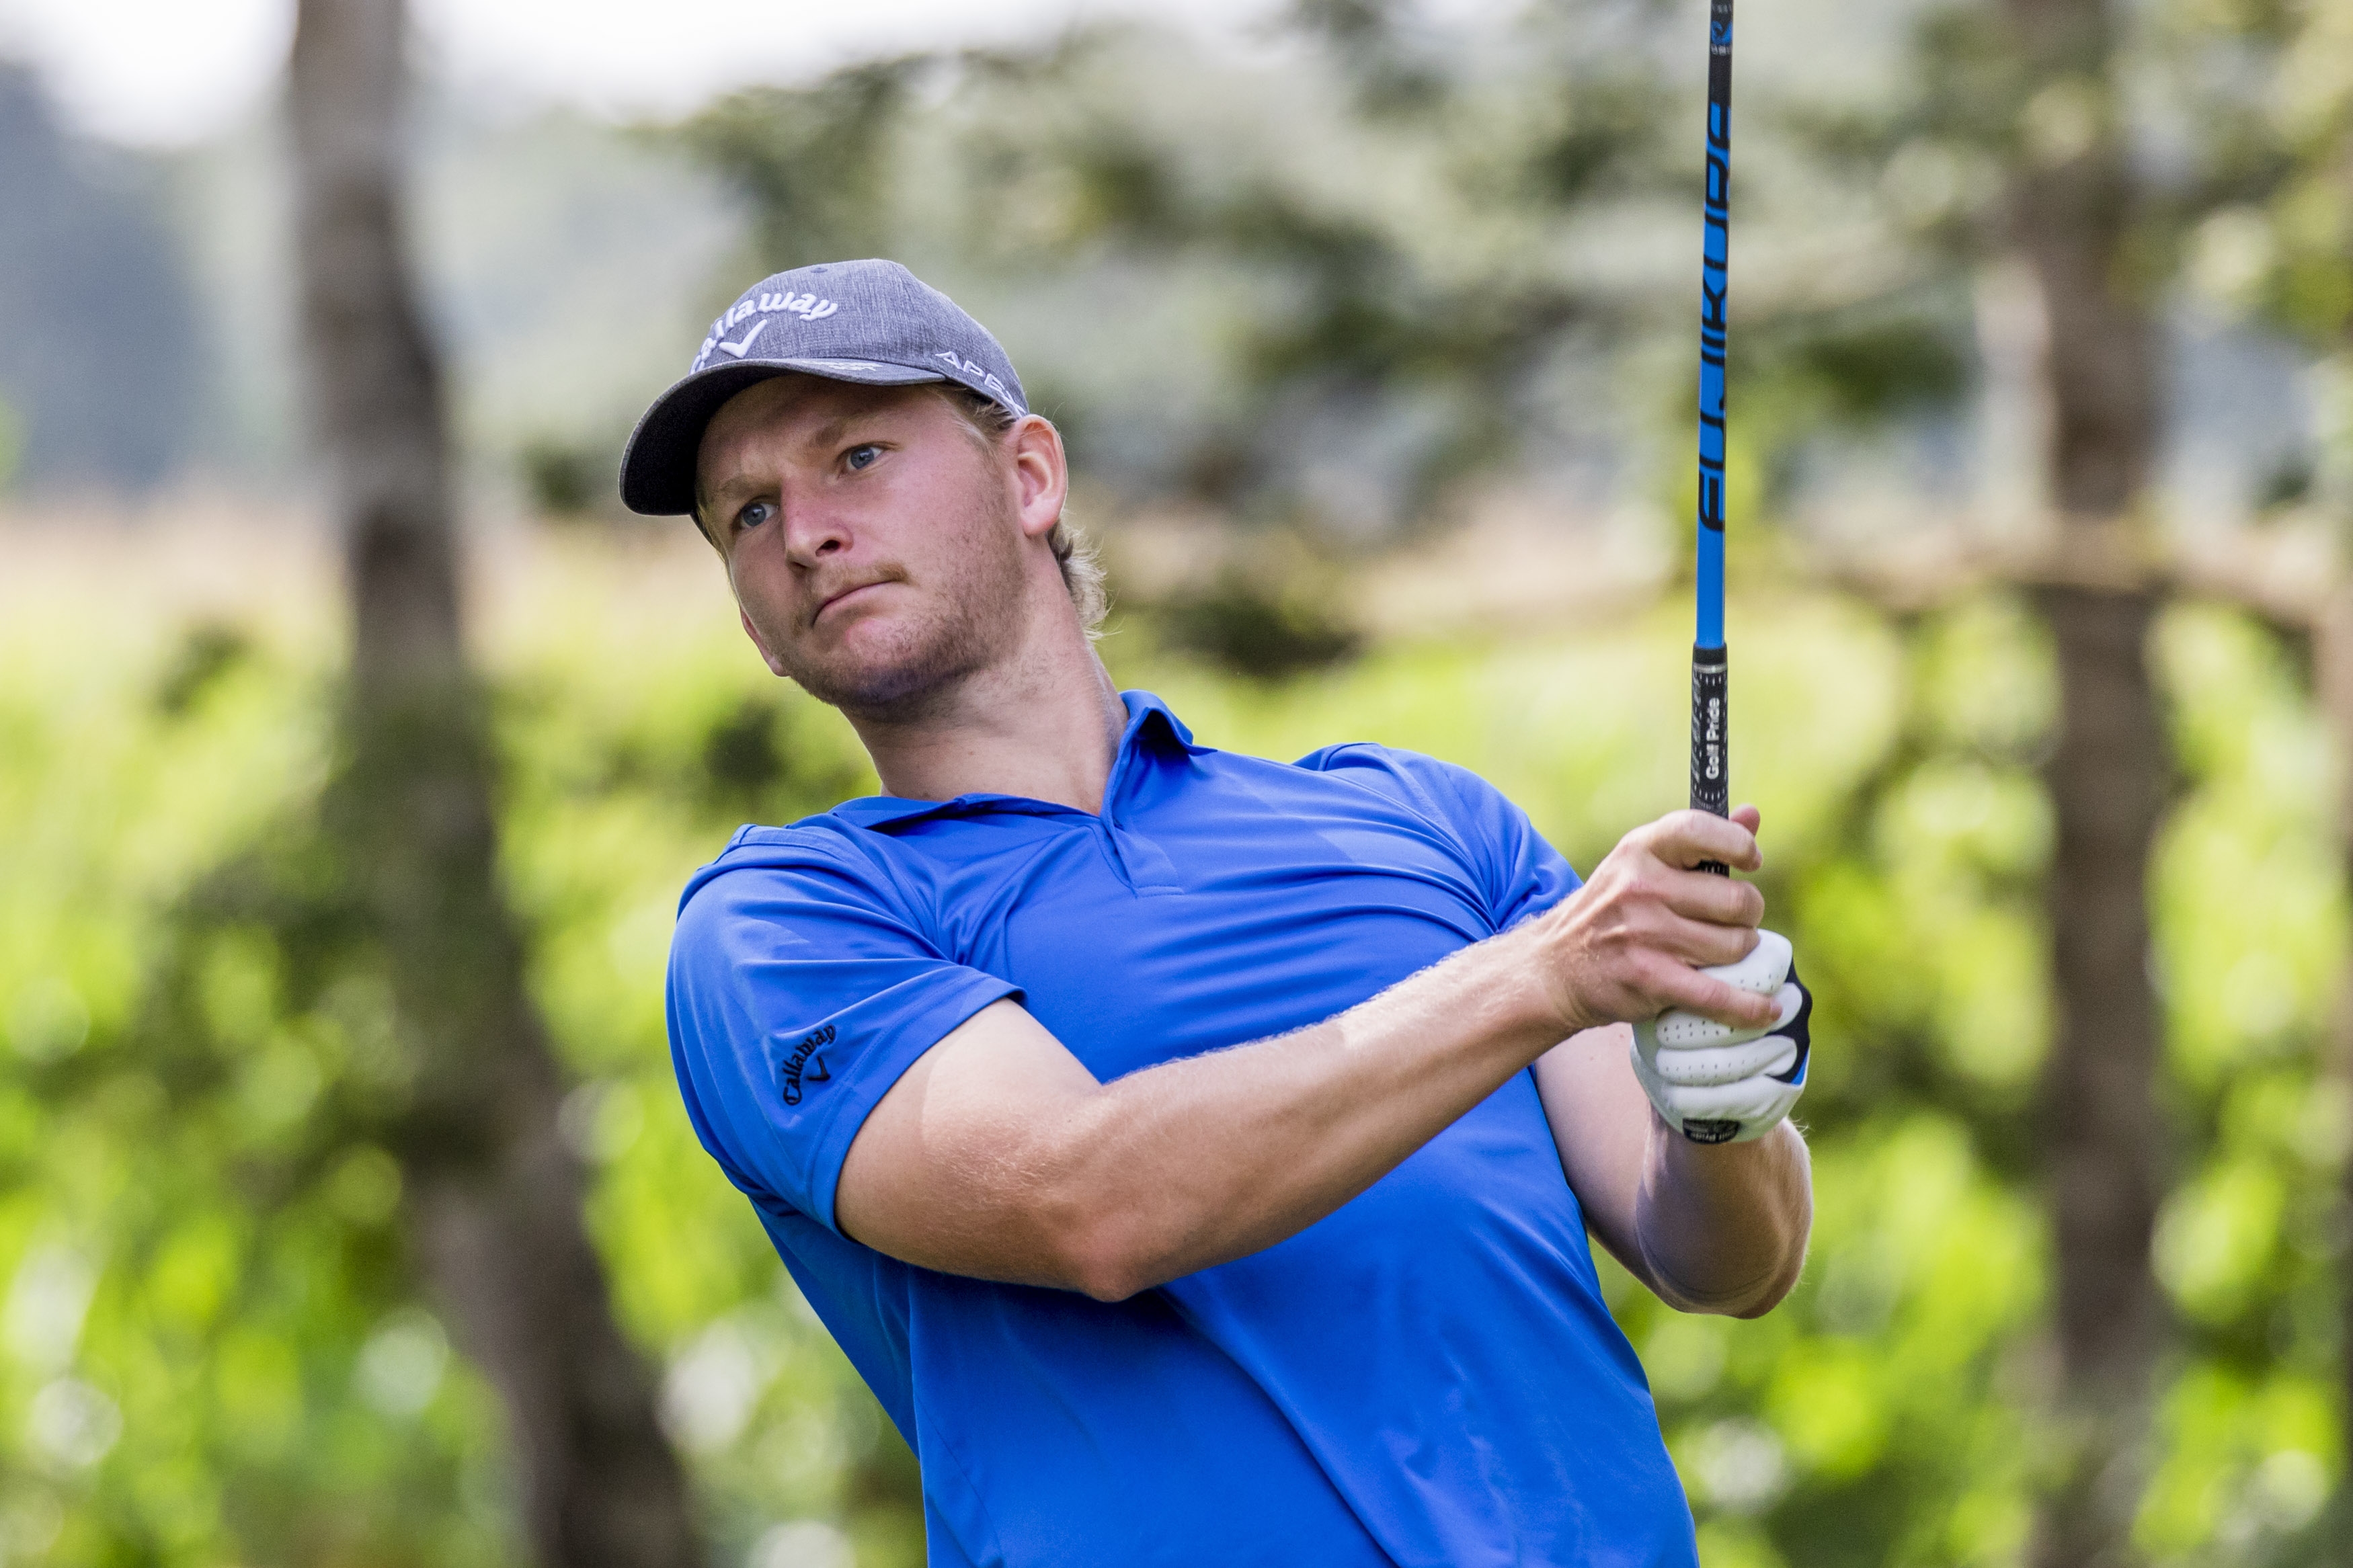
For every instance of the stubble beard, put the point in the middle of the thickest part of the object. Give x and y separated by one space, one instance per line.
919 674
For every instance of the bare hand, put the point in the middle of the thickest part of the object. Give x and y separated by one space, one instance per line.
1630 944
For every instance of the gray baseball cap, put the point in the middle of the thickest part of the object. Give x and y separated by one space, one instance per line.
870 321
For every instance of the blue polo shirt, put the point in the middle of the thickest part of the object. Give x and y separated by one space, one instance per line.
1429 1375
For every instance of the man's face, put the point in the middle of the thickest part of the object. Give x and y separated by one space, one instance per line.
880 553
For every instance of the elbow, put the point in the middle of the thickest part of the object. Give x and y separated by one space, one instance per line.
1104 1264
1753 1299
1110 1284
1085 1228
1778 1285
1100 1247
1750 1301
1792 1270
1775 1235
1774 1292
1785 1279
1774 1289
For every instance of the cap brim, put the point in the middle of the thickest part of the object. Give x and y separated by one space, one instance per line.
657 465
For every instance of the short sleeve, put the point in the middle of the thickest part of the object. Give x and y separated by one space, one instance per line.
1518 870
799 990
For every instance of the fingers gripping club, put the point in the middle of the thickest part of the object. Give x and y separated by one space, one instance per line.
1715 1083
1762 974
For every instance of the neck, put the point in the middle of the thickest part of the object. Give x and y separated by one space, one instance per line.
1043 723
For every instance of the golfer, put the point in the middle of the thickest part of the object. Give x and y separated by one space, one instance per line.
1196 1153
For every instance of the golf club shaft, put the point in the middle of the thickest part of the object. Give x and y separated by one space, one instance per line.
1711 773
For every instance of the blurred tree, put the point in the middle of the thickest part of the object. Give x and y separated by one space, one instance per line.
2071 201
2272 86
492 1191
2018 162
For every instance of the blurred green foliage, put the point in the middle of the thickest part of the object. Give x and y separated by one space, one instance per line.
1322 300
1314 294
211 1347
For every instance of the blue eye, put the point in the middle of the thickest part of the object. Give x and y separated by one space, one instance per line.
753 514
862 457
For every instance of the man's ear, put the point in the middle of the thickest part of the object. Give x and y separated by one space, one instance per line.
1042 474
766 657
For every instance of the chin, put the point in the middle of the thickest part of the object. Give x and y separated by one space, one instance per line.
895 674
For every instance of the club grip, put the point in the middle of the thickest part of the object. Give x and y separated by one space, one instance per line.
1710 766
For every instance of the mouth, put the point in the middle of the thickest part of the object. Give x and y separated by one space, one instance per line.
854 593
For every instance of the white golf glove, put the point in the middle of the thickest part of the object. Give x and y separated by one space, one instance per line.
1716 1084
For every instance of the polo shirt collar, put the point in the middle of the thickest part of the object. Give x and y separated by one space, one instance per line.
1149 721
1151 728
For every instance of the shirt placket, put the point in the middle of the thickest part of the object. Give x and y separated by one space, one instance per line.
1142 866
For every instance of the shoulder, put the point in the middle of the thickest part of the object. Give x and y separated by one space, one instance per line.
1447 793
772 875
1492 836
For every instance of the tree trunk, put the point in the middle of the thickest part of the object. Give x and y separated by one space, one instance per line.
494 1193
2104 1133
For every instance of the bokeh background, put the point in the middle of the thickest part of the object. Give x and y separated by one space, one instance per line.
1370 325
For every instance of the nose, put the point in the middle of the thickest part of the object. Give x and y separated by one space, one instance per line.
813 531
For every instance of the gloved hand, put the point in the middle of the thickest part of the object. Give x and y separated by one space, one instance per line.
1717 1084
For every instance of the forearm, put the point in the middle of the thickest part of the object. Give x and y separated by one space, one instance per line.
1212 1158
1111 1188
1722 1227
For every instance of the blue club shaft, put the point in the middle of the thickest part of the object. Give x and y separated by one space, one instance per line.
1711 777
